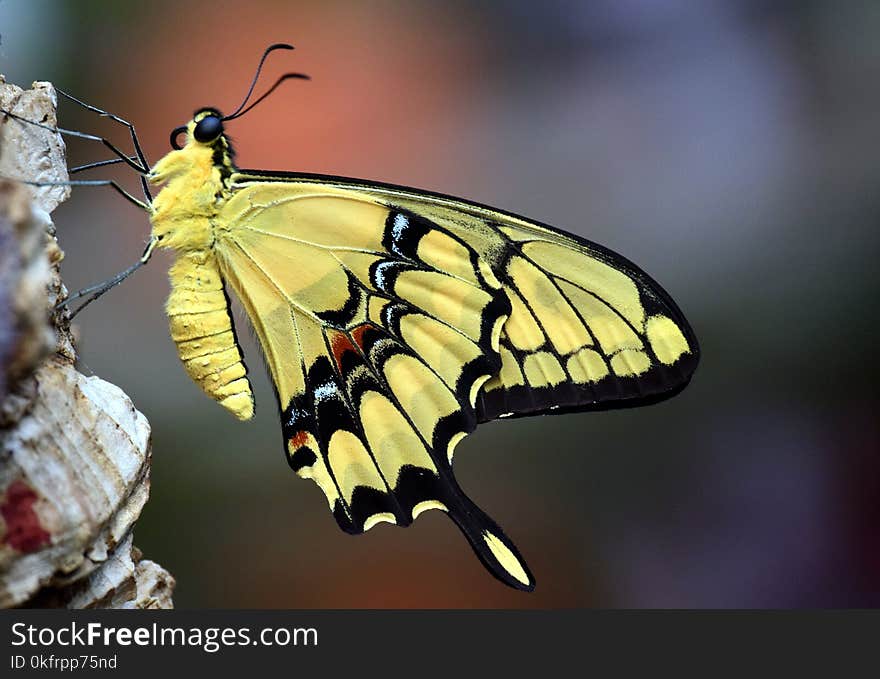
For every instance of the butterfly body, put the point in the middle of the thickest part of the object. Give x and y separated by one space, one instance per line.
183 214
184 219
394 321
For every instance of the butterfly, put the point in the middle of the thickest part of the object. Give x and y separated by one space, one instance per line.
395 321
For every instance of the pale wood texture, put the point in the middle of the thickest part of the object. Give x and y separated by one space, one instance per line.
74 451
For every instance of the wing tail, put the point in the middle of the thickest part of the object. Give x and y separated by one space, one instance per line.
493 548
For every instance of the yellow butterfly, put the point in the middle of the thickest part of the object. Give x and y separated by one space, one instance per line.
394 321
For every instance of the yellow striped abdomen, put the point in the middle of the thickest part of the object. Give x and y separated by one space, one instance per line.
201 327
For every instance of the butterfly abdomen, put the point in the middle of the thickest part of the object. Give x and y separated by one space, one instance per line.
201 327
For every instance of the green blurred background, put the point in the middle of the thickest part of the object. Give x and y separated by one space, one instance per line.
729 147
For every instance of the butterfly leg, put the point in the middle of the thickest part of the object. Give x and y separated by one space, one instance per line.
99 163
94 182
141 156
124 158
95 291
121 159
82 135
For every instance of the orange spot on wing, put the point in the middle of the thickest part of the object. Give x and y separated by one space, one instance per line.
357 333
299 439
339 344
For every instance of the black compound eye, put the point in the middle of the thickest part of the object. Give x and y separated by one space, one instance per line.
208 129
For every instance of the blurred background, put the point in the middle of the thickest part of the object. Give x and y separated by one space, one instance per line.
729 147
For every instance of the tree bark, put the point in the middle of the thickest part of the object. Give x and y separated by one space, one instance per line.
74 451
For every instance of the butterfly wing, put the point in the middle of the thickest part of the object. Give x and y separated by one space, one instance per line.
394 321
376 350
588 329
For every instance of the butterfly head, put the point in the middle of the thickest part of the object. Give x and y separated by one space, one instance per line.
205 128
194 174
202 142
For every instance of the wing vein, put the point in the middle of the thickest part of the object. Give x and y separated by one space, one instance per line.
354 415
274 283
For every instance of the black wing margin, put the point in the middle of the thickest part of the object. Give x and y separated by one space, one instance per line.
588 330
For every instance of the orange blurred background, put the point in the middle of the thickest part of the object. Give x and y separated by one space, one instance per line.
726 147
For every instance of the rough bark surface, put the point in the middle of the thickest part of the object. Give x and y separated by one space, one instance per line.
74 451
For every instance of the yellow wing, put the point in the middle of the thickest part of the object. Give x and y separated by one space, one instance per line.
394 321
588 330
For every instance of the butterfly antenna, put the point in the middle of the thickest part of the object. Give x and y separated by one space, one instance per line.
269 50
286 76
